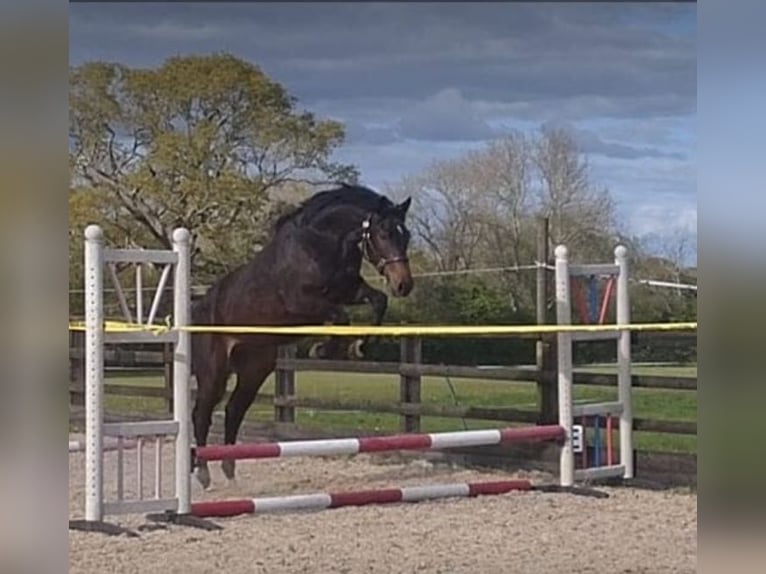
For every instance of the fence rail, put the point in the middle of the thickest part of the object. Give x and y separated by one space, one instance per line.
496 414
410 372
150 360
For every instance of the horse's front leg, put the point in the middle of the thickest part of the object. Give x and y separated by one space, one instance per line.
376 298
334 347
379 303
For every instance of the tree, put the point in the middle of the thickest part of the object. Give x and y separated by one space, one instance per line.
659 302
205 142
480 209
676 249
581 216
447 215
505 171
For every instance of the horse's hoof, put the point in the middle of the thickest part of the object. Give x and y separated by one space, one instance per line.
356 349
327 351
315 350
203 476
228 468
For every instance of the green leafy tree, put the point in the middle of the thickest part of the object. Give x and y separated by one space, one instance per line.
206 142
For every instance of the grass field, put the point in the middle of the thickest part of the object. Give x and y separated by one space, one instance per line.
647 403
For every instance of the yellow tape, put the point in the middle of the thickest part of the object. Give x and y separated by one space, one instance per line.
390 330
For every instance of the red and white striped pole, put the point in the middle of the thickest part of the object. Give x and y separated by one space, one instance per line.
324 500
346 446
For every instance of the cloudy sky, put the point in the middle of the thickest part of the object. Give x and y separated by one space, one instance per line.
420 82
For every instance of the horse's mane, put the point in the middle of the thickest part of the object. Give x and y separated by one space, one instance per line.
355 195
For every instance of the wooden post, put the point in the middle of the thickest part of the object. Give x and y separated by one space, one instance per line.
284 385
545 351
549 399
409 386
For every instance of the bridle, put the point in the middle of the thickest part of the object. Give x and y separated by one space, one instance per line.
366 245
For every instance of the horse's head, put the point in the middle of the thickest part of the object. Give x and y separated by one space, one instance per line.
385 240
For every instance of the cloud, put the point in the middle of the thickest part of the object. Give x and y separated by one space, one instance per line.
583 59
361 133
592 143
387 164
662 227
169 31
664 219
669 132
446 116
647 180
573 108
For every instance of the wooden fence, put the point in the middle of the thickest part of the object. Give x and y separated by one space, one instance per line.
410 371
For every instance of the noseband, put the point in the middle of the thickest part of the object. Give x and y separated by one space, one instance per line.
366 245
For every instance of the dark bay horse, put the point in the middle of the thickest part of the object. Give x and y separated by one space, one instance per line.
305 274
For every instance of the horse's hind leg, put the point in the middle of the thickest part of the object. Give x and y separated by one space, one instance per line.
252 365
209 394
211 386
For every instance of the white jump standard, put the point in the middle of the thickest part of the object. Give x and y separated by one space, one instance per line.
565 339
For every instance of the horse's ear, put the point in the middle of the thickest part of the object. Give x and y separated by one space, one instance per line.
404 206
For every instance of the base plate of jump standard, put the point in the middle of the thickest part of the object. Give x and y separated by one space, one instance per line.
577 490
103 527
184 520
